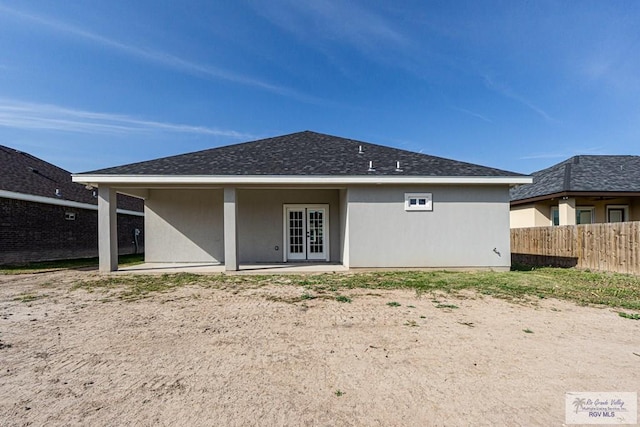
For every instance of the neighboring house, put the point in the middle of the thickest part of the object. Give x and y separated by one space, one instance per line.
313 197
45 216
580 190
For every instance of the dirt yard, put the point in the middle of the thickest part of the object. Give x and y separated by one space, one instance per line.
250 356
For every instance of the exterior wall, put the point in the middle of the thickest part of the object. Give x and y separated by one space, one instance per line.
466 224
368 225
127 224
601 207
344 227
539 214
260 221
31 232
184 226
529 216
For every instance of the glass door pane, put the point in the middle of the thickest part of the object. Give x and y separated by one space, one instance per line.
315 231
296 234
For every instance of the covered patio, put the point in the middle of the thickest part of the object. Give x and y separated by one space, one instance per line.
217 228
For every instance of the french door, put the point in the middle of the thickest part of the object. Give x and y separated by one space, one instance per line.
306 232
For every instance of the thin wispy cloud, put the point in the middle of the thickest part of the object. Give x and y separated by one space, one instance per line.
473 114
565 154
162 58
335 21
32 116
506 91
596 68
616 68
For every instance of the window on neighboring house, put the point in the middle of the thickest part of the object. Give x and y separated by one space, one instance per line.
555 215
418 202
585 215
617 213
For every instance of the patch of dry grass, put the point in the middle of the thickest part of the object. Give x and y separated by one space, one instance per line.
583 287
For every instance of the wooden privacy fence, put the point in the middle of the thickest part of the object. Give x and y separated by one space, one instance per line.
611 247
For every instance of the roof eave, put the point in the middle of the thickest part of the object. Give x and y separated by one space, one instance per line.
60 202
97 179
575 194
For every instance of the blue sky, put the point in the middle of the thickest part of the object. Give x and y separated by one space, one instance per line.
517 85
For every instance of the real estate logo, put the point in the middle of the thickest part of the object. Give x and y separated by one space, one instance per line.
601 408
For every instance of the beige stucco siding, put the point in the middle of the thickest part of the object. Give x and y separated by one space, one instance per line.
184 226
521 216
260 221
600 207
463 229
632 204
539 214
530 216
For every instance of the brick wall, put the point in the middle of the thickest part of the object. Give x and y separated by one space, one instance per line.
40 232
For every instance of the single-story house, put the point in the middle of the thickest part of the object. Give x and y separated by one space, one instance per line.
44 216
312 197
580 190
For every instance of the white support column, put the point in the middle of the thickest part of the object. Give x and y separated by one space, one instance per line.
567 211
107 229
230 229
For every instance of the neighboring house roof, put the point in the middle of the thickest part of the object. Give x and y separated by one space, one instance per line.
25 174
580 175
304 153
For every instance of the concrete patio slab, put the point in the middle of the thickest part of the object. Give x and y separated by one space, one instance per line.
204 268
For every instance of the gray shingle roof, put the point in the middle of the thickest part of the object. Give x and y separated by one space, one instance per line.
304 153
26 174
586 174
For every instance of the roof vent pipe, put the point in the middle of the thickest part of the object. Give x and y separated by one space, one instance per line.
58 192
398 167
360 150
371 169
